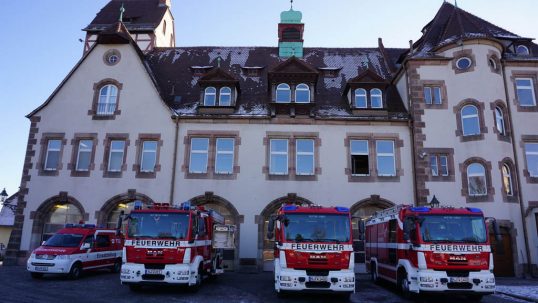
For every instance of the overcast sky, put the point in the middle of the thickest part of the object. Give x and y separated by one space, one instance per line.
40 41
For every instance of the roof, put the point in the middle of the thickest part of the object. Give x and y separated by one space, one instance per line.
172 69
452 24
139 15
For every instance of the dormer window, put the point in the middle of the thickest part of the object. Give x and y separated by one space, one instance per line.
225 97
522 50
210 96
376 98
283 93
360 98
302 93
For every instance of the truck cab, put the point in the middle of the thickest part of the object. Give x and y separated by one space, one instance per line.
76 248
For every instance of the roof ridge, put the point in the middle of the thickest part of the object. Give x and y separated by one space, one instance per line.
469 14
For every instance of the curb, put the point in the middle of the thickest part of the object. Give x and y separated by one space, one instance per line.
517 296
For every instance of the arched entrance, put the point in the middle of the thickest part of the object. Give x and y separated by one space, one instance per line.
362 210
108 215
231 216
265 246
52 215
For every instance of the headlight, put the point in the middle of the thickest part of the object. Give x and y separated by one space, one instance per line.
62 257
285 278
490 280
426 279
32 256
349 279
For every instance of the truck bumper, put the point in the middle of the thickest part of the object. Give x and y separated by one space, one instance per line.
481 283
298 280
62 266
132 273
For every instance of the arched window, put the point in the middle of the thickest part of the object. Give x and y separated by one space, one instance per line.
499 121
283 93
164 27
470 122
360 98
376 98
60 215
210 96
302 93
126 207
522 50
107 100
507 180
225 97
476 179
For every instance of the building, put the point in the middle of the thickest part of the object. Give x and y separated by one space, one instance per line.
7 219
244 129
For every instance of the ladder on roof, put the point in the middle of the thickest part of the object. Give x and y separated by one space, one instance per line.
395 210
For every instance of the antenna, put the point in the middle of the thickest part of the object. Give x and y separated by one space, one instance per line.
291 2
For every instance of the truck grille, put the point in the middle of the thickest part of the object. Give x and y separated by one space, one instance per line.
462 285
457 273
318 284
153 277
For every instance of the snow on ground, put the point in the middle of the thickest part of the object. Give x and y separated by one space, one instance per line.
528 291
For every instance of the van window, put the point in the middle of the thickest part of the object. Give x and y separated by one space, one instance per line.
89 239
102 241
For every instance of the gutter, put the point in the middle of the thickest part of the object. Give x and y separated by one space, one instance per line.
412 132
516 164
174 157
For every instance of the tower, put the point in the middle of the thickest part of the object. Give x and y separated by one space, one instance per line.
290 34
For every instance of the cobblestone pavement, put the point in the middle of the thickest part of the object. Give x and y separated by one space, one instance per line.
16 285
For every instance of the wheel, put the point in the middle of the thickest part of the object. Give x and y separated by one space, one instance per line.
196 286
116 267
403 284
75 272
135 287
36 275
373 272
475 298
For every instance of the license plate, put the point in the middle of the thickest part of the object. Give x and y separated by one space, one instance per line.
154 271
41 268
459 279
317 279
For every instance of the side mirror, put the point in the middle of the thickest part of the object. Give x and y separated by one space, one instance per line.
43 243
85 246
120 222
496 229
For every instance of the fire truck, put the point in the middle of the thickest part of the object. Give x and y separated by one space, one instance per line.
173 245
434 250
313 249
75 248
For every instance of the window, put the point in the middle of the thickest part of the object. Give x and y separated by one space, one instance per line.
360 98
102 241
376 98
476 179
283 93
85 148
492 63
164 27
470 121
432 95
522 50
302 93
507 180
115 159
199 155
278 162
439 165
224 159
531 154
464 63
210 96
52 156
499 121
107 100
305 156
434 166
148 158
360 165
443 162
386 165
525 92
225 97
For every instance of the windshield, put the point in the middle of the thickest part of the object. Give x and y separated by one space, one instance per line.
452 228
64 240
158 225
317 228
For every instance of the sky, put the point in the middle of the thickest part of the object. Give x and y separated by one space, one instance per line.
40 44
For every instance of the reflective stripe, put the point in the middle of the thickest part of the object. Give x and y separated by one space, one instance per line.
435 247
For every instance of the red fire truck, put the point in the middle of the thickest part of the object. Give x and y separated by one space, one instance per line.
169 245
435 250
75 248
313 249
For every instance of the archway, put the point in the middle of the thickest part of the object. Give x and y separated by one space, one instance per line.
362 210
108 215
266 246
231 216
52 215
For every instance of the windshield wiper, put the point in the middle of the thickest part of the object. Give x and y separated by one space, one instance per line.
329 240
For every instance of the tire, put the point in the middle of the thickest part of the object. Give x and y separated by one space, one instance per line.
403 285
75 272
475 298
373 273
135 287
198 284
36 275
116 268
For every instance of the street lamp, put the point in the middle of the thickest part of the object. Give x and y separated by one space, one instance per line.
434 203
3 198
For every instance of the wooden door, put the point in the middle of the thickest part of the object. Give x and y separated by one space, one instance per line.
503 258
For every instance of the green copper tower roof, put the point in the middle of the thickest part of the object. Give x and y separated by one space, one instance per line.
291 16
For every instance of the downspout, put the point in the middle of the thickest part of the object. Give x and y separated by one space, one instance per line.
174 164
516 163
412 134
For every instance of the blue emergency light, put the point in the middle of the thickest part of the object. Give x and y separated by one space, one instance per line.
138 205
186 205
420 209
289 208
342 209
474 210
